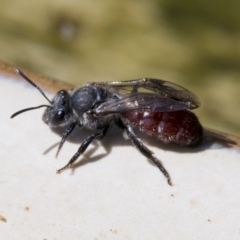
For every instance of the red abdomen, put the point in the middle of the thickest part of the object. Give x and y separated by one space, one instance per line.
180 127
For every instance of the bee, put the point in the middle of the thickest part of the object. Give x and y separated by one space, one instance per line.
157 107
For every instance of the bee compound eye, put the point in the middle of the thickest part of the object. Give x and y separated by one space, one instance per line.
59 116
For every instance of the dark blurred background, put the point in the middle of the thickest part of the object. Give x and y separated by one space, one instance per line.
193 43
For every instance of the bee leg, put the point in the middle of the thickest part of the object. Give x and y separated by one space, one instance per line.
144 150
83 147
65 135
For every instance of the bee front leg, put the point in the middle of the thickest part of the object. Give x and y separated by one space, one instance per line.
83 148
67 132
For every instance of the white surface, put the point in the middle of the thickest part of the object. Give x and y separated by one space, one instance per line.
118 195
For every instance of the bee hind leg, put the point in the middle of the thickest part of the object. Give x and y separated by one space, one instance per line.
144 150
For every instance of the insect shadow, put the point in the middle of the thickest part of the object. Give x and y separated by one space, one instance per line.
114 138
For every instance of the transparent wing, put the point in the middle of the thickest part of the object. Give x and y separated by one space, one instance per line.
162 88
148 94
142 102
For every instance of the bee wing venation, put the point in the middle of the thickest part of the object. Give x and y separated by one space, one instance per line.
175 91
141 102
162 88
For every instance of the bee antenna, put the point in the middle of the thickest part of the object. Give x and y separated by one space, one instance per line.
28 109
32 83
